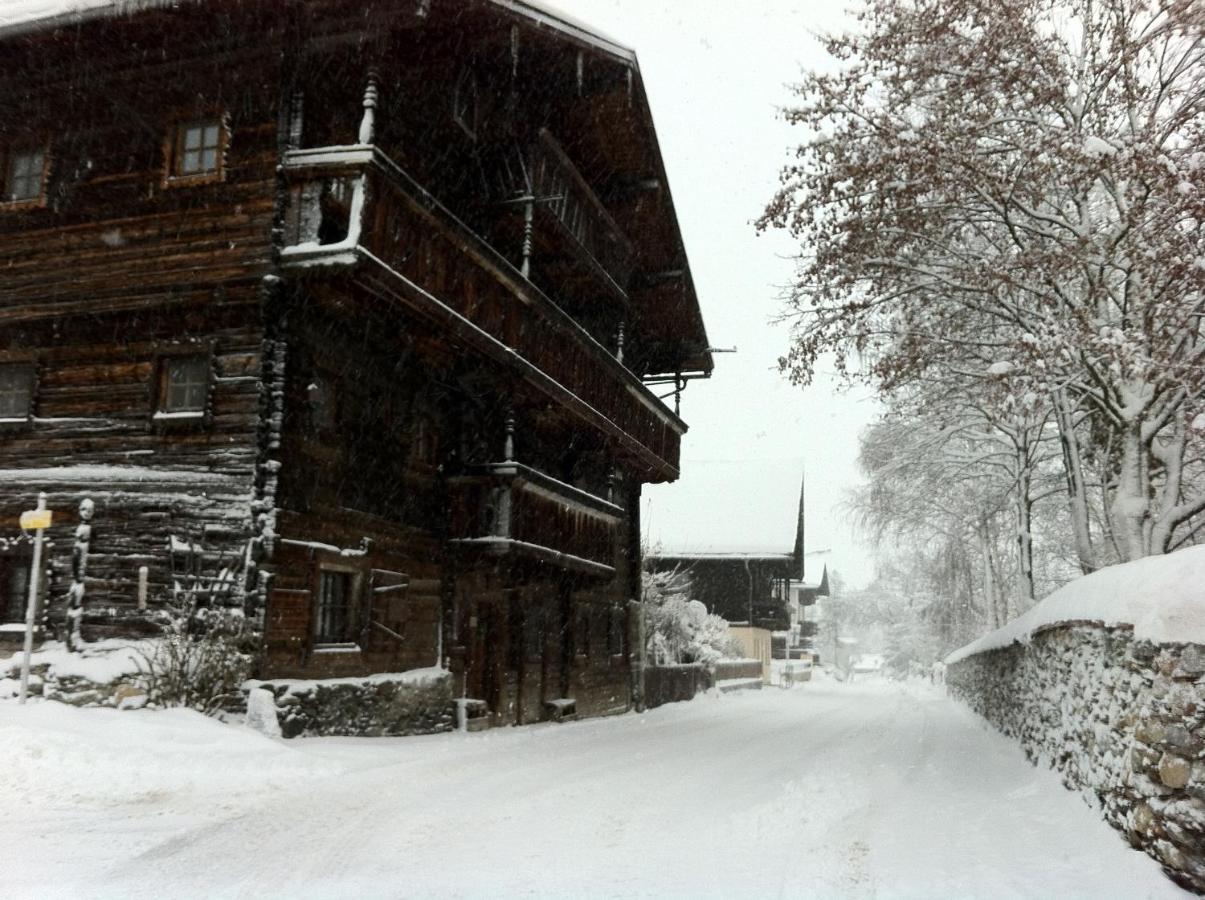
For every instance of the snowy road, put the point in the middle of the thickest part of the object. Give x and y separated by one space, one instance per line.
830 790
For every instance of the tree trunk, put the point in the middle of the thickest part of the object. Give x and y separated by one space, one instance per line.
1025 588
1077 491
1131 498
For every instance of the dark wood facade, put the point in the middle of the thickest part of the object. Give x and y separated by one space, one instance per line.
357 300
744 588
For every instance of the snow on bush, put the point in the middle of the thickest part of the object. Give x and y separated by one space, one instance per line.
207 647
679 628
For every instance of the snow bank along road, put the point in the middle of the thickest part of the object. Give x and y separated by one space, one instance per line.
828 790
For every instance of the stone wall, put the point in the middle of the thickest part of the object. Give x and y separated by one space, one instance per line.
1123 720
405 704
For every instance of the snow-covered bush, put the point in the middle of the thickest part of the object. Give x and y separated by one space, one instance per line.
199 662
679 628
207 647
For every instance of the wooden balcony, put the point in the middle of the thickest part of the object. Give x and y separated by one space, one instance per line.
512 510
541 187
353 210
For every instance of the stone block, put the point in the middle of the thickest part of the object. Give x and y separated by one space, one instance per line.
1181 741
1174 771
1150 731
1192 661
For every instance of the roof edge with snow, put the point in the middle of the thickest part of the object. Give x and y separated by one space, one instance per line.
60 13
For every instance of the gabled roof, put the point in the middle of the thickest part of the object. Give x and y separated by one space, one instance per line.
754 493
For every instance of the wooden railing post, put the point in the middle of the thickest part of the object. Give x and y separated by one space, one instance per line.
369 120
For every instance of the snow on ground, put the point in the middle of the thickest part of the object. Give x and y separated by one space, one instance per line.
1163 597
828 790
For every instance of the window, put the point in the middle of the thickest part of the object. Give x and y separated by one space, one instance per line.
14 589
184 387
424 446
197 149
323 410
333 619
23 175
16 392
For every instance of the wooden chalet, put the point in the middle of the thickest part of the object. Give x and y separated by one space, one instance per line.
757 588
749 588
351 307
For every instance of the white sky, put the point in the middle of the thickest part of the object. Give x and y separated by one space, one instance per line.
716 74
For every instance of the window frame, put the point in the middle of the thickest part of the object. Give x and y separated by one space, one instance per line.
30 367
8 153
14 563
354 624
174 147
164 416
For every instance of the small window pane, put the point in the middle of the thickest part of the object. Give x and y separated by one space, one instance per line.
333 624
198 146
16 391
187 386
24 179
14 590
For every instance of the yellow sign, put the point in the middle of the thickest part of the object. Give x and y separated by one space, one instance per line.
35 518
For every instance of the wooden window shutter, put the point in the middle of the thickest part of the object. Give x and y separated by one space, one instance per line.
382 619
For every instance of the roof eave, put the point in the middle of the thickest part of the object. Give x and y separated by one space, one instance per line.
550 18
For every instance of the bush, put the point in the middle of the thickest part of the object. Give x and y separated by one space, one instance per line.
207 648
680 630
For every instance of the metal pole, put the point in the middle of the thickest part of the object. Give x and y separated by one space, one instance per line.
33 602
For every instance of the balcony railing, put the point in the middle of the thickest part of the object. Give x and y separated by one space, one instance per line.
353 207
511 509
544 177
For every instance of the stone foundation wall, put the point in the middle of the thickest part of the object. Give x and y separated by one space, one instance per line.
1122 720
373 706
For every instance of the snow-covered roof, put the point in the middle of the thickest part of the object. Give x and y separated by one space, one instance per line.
1162 597
547 14
777 556
20 16
738 508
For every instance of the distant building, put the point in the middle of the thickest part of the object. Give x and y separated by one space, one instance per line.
757 588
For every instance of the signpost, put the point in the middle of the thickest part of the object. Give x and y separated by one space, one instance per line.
37 521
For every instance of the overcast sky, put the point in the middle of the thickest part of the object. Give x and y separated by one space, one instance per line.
716 73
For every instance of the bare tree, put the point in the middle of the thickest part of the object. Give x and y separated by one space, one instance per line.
1024 182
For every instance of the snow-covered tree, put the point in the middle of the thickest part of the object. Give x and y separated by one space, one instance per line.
1022 184
679 628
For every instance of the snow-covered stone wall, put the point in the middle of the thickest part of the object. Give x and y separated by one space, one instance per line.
1120 716
406 703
